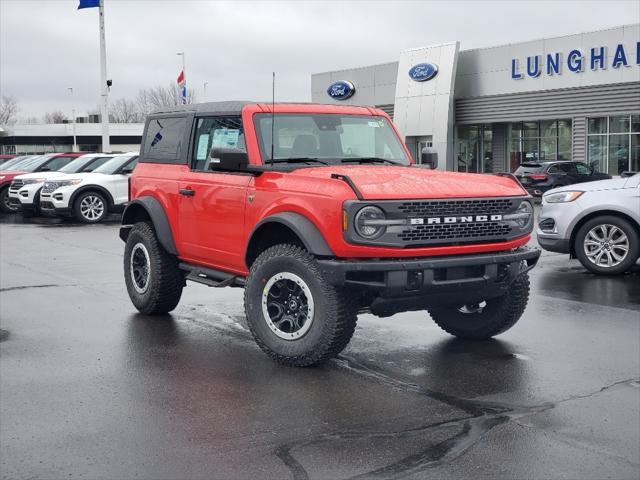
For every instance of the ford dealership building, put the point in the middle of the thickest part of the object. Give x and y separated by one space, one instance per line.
575 97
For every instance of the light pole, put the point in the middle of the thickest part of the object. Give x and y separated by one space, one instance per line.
73 115
184 73
204 94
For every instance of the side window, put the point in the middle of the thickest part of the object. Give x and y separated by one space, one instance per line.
164 139
57 163
130 165
583 169
216 132
568 167
554 169
95 164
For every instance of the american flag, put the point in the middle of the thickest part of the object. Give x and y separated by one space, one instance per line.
182 83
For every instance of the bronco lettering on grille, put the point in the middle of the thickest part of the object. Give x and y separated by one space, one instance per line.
461 219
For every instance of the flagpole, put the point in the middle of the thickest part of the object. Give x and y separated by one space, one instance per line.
104 103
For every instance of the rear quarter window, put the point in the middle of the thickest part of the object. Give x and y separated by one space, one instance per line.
164 140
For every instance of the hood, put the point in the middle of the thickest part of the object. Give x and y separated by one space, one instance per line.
45 175
85 175
7 177
377 182
613 184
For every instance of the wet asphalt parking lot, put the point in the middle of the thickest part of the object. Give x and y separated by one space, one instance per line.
91 389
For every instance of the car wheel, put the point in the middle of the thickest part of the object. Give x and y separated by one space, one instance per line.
485 319
5 204
607 245
90 207
154 281
295 316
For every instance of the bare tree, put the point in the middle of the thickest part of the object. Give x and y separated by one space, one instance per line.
8 110
125 111
150 99
57 116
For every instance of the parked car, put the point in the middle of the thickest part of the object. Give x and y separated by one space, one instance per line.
24 191
38 163
319 213
90 197
539 177
7 165
596 222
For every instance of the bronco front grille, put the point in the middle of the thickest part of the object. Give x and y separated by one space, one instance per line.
461 233
455 207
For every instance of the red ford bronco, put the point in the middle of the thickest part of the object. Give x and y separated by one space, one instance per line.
320 214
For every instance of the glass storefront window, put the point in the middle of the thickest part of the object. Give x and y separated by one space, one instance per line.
539 141
613 144
474 149
598 125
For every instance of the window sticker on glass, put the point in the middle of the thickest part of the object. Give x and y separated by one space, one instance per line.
376 124
225 138
203 144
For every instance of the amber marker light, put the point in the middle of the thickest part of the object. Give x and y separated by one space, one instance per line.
345 221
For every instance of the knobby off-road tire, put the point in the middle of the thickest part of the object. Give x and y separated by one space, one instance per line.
497 316
288 272
607 245
160 292
90 207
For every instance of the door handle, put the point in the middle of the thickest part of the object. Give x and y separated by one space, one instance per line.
187 192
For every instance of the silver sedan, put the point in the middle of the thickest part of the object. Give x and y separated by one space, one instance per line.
597 222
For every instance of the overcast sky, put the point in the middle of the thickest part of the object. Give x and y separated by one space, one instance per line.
48 45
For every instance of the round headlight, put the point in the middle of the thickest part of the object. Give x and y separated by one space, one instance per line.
525 211
366 222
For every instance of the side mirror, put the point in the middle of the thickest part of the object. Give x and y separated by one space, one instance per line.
127 170
429 157
228 159
45 169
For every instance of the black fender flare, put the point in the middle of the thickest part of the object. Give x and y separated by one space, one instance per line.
97 188
158 217
302 227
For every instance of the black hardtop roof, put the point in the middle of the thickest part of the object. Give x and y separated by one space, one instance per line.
231 107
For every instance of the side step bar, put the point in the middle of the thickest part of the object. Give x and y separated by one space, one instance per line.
210 276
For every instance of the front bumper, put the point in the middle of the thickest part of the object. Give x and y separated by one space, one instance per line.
423 281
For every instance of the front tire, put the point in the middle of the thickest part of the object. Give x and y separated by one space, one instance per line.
5 205
154 281
90 207
607 245
295 316
486 319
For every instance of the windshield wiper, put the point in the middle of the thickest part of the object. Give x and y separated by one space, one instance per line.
369 160
297 160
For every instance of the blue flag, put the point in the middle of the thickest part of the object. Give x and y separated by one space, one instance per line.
88 4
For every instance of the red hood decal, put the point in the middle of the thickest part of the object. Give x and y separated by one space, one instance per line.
377 182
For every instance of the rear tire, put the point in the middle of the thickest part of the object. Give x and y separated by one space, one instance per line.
90 207
154 281
607 245
295 316
478 322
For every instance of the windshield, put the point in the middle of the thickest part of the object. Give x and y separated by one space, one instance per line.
14 161
112 166
30 164
83 164
329 138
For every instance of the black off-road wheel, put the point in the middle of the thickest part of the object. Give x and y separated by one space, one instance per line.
154 281
295 316
485 319
607 245
90 207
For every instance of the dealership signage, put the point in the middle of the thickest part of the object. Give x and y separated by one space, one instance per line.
576 61
341 90
423 72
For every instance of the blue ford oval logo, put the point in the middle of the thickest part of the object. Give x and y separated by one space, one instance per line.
423 72
341 90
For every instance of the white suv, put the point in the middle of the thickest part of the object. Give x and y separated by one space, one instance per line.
89 197
597 222
24 191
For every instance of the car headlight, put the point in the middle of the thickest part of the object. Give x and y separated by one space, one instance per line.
29 181
65 183
2 177
369 222
562 197
522 217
